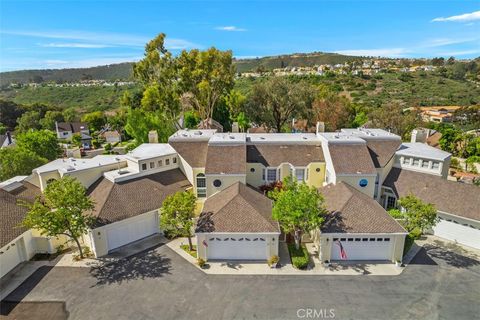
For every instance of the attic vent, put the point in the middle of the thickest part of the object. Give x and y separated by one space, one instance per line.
198 133
70 168
231 137
304 138
262 138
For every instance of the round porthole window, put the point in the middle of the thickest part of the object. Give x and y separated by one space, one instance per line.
318 169
217 183
252 169
363 183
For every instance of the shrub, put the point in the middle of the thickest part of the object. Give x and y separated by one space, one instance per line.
409 239
299 257
273 260
416 233
395 213
201 263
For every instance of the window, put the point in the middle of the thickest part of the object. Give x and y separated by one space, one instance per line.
317 170
391 201
152 165
350 239
160 163
425 164
386 239
167 162
300 174
174 159
252 170
416 162
335 239
342 239
357 239
436 165
364 239
271 174
372 239
217 183
144 166
379 239
201 186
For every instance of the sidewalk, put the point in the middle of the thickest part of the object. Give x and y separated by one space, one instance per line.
286 268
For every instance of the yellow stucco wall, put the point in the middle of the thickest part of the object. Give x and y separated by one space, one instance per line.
255 178
316 179
226 182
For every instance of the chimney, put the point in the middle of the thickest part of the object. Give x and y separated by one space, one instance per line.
9 138
320 127
153 136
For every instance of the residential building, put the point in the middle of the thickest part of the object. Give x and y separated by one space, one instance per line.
6 140
66 130
112 136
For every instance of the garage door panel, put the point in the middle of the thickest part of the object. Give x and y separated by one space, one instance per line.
125 232
364 250
457 232
237 248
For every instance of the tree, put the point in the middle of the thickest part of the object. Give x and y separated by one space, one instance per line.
3 128
15 161
235 102
48 121
191 120
417 214
30 120
96 120
10 112
331 108
391 116
298 208
62 211
43 143
140 123
277 100
177 214
70 115
208 76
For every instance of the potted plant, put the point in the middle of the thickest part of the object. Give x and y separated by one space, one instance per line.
273 261
398 263
201 263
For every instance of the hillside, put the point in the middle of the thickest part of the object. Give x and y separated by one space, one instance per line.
291 60
123 71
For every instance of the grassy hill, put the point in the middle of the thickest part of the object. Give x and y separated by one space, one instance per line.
291 60
123 71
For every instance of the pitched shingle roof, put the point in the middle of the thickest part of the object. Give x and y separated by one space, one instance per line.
351 158
351 211
381 151
11 213
237 208
194 152
226 159
72 126
272 155
122 200
448 196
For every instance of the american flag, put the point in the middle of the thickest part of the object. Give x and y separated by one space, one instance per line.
343 254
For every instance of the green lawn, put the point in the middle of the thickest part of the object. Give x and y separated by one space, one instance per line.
186 248
300 257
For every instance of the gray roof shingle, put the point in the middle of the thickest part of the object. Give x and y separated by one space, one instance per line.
351 158
122 200
193 152
222 159
272 155
448 196
238 208
381 151
351 211
11 213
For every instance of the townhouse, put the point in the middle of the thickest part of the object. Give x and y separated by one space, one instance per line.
360 172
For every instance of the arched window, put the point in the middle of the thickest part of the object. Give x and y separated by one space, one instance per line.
50 181
201 186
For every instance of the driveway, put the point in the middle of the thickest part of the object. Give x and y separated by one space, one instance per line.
159 284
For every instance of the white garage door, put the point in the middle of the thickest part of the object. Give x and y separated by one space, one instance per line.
363 248
237 248
130 230
458 232
12 257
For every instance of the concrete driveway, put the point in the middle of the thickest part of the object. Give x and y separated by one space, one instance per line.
159 284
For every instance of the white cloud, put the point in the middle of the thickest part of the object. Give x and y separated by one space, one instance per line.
441 42
385 52
231 28
101 38
459 53
473 16
73 45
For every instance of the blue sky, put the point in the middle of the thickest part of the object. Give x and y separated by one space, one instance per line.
62 34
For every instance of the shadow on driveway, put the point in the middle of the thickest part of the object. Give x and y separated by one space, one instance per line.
48 310
146 264
450 257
